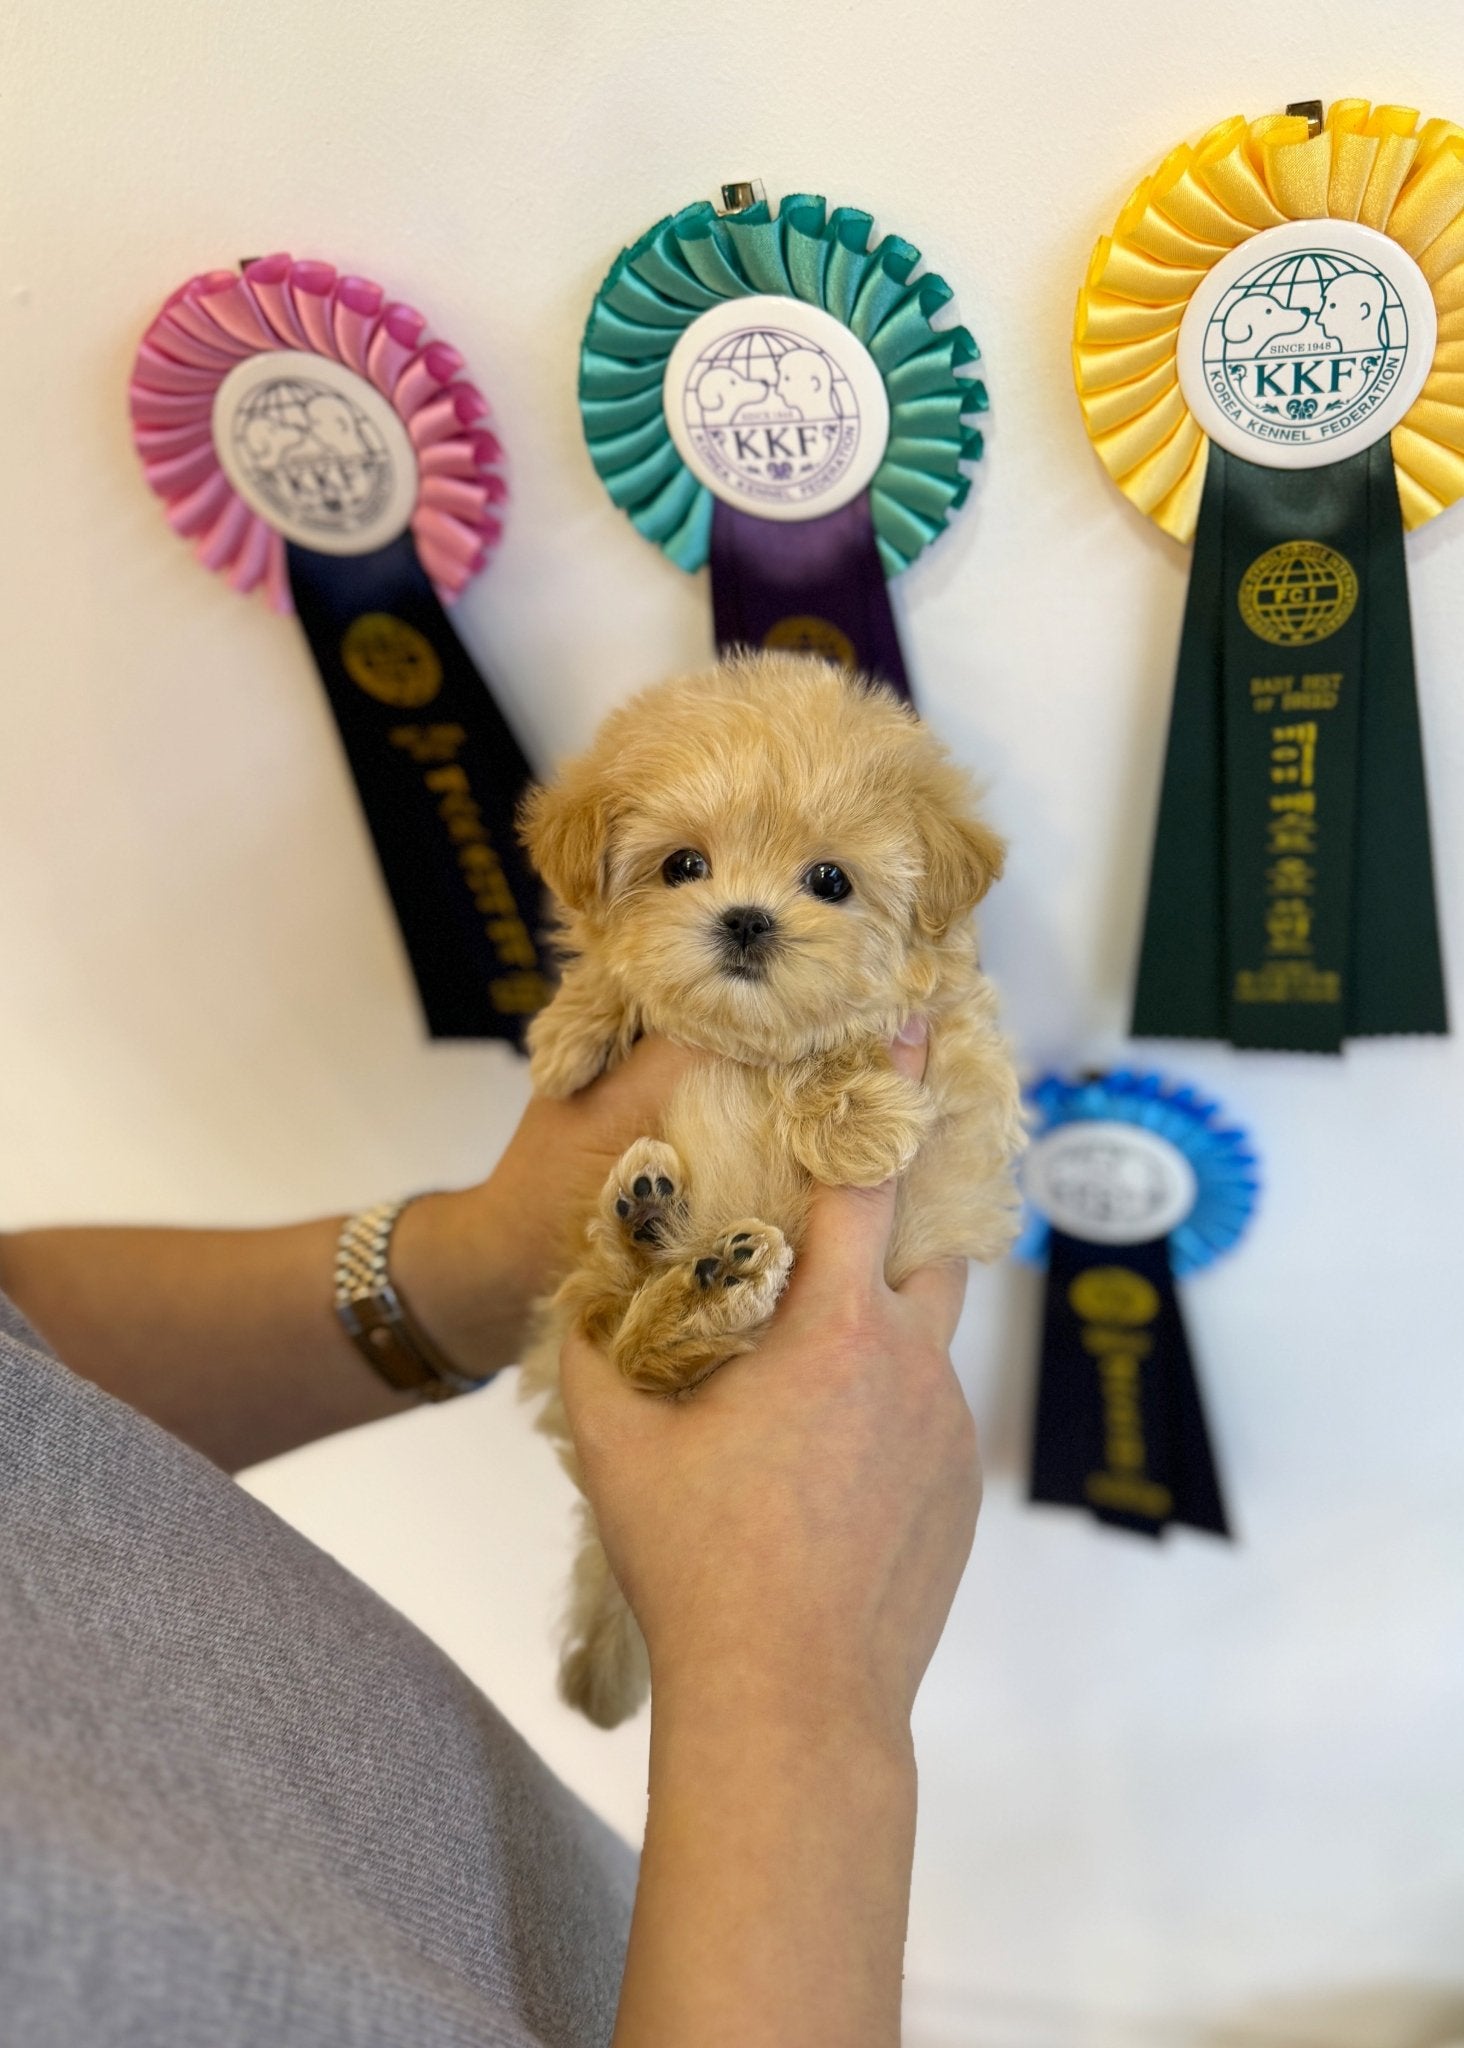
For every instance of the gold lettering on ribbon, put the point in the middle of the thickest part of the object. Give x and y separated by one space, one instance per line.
1115 1304
521 990
1318 692
1289 973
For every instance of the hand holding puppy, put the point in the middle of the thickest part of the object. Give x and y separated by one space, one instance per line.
795 1534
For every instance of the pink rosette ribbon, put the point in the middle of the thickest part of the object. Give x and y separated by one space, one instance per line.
310 440
220 319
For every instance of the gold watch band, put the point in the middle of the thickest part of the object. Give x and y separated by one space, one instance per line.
377 1320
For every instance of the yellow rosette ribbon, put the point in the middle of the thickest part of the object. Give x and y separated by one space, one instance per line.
1269 356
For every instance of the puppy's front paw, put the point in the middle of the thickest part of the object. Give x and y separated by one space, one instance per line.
700 1311
855 1131
752 1255
646 1193
563 1055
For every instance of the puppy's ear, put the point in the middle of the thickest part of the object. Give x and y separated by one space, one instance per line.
963 858
566 827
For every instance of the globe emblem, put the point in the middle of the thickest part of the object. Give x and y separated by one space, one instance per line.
1298 593
772 414
312 455
1301 279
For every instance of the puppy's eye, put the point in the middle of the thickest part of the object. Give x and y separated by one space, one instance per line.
828 883
686 866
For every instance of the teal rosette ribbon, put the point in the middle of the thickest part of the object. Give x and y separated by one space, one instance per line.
695 261
1132 1181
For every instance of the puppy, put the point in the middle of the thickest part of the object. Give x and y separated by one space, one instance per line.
777 865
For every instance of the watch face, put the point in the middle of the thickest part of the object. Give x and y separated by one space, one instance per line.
316 451
776 407
1307 343
1109 1183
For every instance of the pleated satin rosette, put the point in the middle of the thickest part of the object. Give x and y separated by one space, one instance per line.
1269 356
215 321
1376 165
1132 1181
311 441
770 391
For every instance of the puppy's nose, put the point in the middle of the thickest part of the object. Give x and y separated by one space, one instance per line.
746 925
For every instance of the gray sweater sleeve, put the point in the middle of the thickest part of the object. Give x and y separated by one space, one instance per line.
243 1803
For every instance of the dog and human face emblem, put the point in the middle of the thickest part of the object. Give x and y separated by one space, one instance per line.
1307 343
776 407
316 457
316 451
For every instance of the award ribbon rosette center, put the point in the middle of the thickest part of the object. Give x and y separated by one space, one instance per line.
1269 353
311 441
1131 1182
767 393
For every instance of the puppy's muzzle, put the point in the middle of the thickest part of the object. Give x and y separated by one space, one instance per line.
747 936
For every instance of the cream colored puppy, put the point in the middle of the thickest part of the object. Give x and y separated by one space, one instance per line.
776 865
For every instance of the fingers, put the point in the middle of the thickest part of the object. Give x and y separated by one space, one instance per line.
937 1294
592 1390
910 1048
579 1361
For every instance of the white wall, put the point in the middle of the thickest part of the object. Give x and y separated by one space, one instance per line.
1177 1793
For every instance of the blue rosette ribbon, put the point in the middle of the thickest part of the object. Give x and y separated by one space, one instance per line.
1120 1427
816 582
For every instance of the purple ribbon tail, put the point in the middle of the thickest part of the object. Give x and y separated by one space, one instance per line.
813 586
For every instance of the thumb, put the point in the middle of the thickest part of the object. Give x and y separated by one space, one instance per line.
845 1243
590 1388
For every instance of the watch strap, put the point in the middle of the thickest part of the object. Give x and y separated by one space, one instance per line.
378 1321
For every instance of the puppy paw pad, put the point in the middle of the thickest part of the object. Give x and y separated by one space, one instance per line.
758 1253
645 1191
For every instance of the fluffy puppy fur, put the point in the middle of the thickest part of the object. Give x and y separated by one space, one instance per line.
690 852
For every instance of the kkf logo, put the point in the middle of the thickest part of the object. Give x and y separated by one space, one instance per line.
772 416
313 457
1304 348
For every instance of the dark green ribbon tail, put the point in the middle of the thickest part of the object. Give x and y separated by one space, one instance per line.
1291 899
1181 984
1397 967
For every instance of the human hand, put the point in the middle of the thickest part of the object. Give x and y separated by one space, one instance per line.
797 1529
472 1262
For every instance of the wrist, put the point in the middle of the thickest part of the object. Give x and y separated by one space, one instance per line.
731 1709
449 1261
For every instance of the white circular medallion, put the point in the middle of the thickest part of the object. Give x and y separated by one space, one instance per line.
776 407
1109 1182
1307 343
316 451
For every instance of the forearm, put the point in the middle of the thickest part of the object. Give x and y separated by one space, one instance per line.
229 1338
774 1883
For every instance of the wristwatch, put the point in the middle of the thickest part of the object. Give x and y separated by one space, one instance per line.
377 1320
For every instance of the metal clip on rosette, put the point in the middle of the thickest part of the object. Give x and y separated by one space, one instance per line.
312 443
767 392
1269 354
1130 1182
